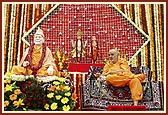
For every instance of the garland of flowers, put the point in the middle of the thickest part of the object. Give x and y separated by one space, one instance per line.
126 10
20 34
16 31
137 21
142 55
24 25
10 48
28 23
157 41
159 47
134 60
147 54
6 40
161 38
34 69
33 13
79 90
37 14
48 7
131 11
144 24
75 82
150 31
13 35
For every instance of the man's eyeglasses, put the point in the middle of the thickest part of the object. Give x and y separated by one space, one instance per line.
111 54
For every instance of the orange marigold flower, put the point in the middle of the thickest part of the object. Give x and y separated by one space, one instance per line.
7 81
13 97
6 103
74 96
61 88
52 88
16 103
17 91
62 73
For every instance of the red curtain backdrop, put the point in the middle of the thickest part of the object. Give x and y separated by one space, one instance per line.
111 29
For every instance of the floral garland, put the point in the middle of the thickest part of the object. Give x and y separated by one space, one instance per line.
148 9
161 40
35 68
157 43
15 77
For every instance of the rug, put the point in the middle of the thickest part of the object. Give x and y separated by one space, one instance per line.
126 108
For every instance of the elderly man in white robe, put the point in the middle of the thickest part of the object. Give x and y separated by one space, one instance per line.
37 59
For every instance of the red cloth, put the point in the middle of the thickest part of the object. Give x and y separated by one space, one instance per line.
74 67
126 108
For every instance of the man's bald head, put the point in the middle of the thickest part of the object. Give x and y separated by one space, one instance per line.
114 54
114 51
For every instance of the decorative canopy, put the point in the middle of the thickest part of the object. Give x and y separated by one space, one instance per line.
110 26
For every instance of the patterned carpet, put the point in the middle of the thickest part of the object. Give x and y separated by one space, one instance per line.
100 97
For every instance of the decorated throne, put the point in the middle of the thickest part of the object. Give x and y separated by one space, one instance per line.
99 96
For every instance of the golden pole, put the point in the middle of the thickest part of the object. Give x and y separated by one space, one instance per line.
6 39
161 36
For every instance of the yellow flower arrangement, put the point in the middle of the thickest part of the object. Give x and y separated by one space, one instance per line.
61 60
13 97
30 94
59 96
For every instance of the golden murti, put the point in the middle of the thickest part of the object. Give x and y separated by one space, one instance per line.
36 56
122 79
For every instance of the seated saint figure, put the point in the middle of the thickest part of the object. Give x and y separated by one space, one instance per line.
37 60
78 47
117 73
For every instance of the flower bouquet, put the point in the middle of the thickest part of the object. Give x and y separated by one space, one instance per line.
13 97
35 94
59 96
61 60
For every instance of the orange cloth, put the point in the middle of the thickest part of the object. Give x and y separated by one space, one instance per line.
95 53
36 55
122 79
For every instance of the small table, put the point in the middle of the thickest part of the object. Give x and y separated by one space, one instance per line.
81 67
